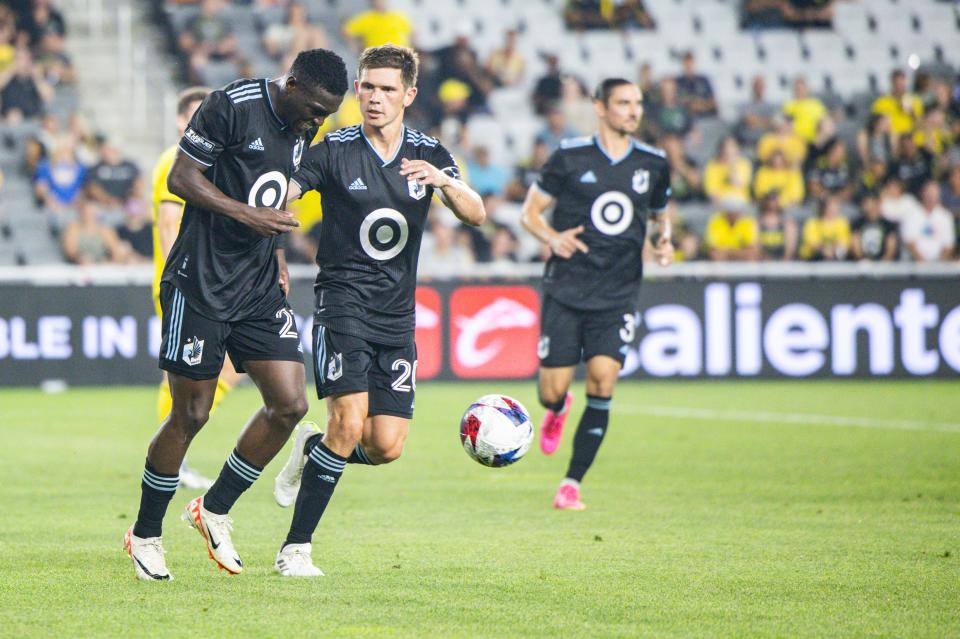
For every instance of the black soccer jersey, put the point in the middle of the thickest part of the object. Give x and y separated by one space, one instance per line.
223 268
611 199
373 220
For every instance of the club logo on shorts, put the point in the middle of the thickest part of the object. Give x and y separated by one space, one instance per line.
641 181
383 234
612 212
297 154
335 367
193 351
417 190
543 347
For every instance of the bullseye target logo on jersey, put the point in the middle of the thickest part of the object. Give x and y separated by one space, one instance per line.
494 331
428 333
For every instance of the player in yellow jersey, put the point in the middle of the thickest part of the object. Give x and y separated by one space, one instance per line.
167 211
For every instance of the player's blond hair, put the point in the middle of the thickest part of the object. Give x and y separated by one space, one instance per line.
189 96
391 56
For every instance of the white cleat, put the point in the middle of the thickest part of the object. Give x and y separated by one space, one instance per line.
294 560
287 484
192 480
215 530
147 556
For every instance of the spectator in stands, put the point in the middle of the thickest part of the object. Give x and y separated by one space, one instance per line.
459 61
59 179
928 231
86 143
45 22
876 141
670 117
447 250
943 99
756 117
39 145
809 14
785 140
506 65
379 25
528 173
779 179
295 34
826 237
694 89
503 250
831 174
805 110
628 14
486 177
578 110
903 108
896 203
950 190
54 63
208 36
582 15
686 182
933 134
454 98
874 238
555 130
87 241
872 179
732 235
23 90
913 165
112 179
728 175
136 232
648 87
547 90
777 233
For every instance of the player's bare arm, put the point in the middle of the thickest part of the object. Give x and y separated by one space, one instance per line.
663 250
168 225
562 243
187 180
465 203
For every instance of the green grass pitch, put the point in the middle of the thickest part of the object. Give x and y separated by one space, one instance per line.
715 510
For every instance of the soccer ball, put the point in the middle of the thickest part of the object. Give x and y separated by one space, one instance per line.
496 430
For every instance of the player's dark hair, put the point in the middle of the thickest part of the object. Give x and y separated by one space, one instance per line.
189 96
390 56
321 68
605 89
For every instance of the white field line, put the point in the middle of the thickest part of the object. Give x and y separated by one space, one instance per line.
770 417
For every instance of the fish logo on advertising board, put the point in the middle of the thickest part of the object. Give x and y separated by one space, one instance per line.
428 333
494 331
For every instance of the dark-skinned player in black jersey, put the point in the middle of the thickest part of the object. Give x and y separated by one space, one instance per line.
603 189
223 292
377 180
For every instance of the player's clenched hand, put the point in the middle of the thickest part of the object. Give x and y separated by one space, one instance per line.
565 243
424 173
268 221
664 251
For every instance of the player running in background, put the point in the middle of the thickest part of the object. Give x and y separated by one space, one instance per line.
221 292
604 187
167 211
376 180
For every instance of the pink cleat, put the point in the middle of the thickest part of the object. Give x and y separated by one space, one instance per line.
568 497
551 428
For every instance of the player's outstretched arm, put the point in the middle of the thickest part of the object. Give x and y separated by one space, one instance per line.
465 203
187 180
663 250
562 243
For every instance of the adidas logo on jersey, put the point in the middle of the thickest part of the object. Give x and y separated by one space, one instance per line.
256 145
588 178
357 185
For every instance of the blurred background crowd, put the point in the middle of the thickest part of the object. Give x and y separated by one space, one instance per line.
795 129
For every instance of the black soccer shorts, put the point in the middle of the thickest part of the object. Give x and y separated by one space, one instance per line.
345 363
194 346
569 336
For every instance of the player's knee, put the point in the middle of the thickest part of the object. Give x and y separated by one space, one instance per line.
289 412
380 454
345 429
600 387
550 396
189 420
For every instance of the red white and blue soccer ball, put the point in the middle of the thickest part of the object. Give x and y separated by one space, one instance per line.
496 430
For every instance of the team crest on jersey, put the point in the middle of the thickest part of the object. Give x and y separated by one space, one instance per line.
417 190
641 181
297 154
335 367
543 347
193 351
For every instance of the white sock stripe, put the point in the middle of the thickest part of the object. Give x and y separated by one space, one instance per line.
162 479
240 471
245 465
166 488
324 460
362 454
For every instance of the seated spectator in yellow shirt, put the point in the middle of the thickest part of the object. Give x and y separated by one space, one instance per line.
904 109
776 177
933 133
730 234
785 140
728 174
805 111
777 232
826 236
379 26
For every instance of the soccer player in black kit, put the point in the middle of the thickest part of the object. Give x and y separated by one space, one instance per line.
376 180
223 292
604 189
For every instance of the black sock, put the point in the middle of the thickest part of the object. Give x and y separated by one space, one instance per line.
235 477
359 456
557 406
320 477
156 491
589 436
